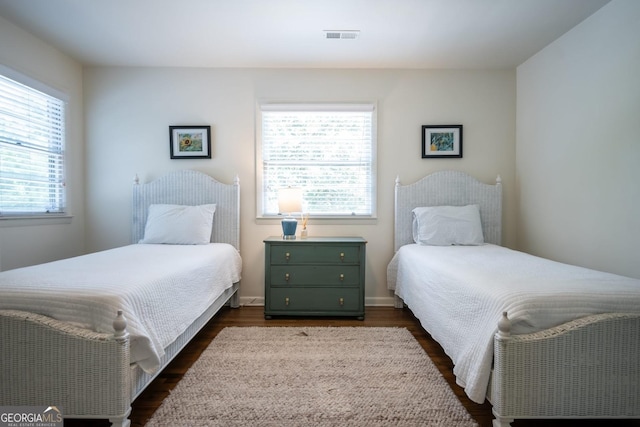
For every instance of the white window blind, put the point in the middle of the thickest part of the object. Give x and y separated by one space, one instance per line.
32 136
327 150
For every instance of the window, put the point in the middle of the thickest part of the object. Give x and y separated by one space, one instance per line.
326 150
32 135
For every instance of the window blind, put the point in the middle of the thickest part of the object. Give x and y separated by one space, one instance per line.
328 151
32 136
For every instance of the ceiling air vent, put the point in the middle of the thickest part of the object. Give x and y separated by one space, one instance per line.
341 35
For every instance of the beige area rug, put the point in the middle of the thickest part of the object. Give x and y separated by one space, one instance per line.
312 376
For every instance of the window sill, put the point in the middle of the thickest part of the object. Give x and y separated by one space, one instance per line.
31 220
337 220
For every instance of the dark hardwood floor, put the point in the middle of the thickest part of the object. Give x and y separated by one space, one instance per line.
152 397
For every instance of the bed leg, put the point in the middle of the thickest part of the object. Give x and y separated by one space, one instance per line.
120 422
234 301
502 422
397 302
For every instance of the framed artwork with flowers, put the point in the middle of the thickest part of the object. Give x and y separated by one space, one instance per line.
190 142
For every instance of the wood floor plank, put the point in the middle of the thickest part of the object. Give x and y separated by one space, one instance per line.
145 405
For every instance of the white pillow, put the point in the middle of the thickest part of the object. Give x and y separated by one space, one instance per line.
179 224
447 225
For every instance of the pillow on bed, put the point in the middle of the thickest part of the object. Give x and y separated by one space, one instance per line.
179 224
447 225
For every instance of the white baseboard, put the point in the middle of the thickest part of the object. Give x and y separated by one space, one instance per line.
368 301
378 301
252 301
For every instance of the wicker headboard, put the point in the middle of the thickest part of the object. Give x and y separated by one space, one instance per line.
189 187
450 188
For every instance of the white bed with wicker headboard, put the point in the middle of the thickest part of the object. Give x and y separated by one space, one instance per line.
89 333
537 338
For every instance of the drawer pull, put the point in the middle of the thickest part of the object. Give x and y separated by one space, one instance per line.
287 276
286 301
341 277
287 256
341 300
341 256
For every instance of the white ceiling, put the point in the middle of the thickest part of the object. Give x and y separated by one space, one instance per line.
290 33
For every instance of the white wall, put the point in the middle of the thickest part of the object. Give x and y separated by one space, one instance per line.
577 153
128 112
578 144
26 242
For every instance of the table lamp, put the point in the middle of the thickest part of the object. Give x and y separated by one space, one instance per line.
289 201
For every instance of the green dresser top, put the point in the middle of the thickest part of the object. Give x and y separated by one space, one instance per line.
332 239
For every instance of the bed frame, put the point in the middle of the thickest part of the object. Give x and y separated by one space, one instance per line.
88 374
586 368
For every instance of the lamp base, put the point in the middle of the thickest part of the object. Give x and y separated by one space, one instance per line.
289 228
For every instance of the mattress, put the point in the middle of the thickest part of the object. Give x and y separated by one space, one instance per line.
459 293
161 290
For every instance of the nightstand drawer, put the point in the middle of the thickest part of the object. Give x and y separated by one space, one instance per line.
318 275
316 254
314 299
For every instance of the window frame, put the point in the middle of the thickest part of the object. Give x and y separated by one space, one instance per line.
37 218
372 106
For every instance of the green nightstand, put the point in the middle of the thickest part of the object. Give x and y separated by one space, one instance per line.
316 276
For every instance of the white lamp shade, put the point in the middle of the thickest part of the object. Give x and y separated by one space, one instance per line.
290 200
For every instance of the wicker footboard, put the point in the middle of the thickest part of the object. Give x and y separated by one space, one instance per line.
88 374
48 362
587 368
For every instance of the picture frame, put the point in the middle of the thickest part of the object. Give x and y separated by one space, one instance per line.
441 141
190 142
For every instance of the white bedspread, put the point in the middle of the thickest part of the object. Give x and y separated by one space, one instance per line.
460 292
161 289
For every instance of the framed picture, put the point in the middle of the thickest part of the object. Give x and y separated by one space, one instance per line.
190 142
441 141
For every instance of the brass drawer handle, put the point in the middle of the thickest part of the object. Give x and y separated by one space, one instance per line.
341 256
287 276
341 300
286 301
287 256
341 277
